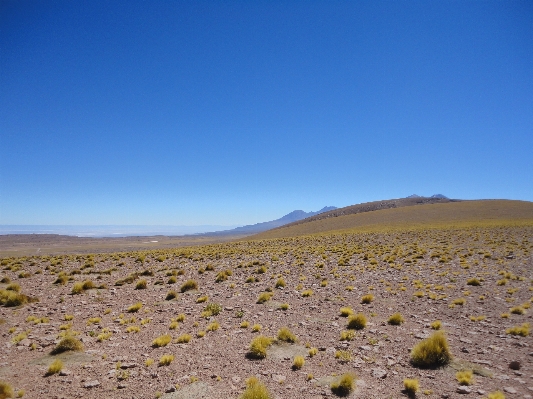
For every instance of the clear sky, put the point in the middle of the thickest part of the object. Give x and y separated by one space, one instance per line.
237 112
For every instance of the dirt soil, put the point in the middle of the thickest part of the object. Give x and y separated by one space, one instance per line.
418 274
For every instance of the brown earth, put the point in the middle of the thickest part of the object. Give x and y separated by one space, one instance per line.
418 273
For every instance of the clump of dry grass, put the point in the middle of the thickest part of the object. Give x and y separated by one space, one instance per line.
366 299
343 385
411 386
298 362
161 341
213 326
55 367
473 281
496 395
135 307
346 311
68 344
280 283
165 360
357 321
522 330
396 319
255 389
189 285
432 351
6 391
141 285
286 335
212 309
258 347
465 377
347 335
171 295
183 339
307 293
264 297
133 329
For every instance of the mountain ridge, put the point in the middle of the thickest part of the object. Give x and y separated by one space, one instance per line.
290 217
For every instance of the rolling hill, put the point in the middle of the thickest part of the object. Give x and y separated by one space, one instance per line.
384 215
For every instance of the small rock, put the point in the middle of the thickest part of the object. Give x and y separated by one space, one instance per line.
365 348
91 384
463 390
170 389
128 365
510 390
379 373
515 365
279 378
235 379
65 372
122 386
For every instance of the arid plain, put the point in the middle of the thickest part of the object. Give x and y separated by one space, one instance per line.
343 306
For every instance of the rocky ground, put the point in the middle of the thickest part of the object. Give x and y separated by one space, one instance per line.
423 275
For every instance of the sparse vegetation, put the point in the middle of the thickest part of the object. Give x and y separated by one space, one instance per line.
165 360
432 351
396 319
465 377
68 344
55 367
255 389
411 386
259 346
298 362
161 341
286 335
522 330
357 321
189 285
343 385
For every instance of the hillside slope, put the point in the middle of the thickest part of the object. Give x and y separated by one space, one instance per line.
374 206
463 213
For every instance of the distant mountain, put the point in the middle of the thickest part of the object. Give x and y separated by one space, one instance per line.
433 196
292 217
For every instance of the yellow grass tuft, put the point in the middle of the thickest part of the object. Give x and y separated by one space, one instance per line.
285 335
346 311
366 299
165 360
357 321
298 362
68 344
6 391
411 386
343 385
396 319
431 352
522 330
55 367
255 389
465 377
259 346
135 308
161 341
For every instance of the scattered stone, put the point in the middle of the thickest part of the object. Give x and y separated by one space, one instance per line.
463 390
91 384
128 365
515 365
510 390
65 372
170 389
379 373
279 378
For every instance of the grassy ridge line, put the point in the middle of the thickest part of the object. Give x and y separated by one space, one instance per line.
480 213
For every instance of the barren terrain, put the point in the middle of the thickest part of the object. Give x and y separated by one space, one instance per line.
423 274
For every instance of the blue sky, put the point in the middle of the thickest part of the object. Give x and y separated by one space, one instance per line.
236 112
